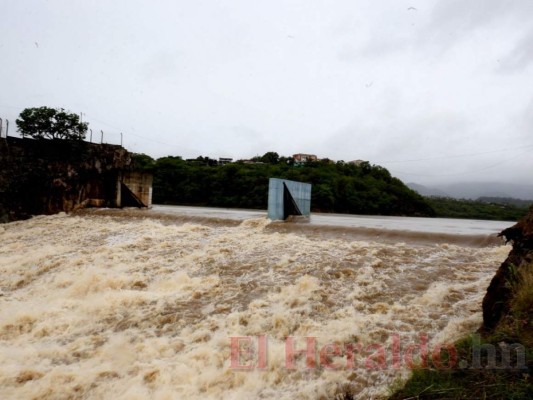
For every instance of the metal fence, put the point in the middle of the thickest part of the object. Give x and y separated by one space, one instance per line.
99 137
4 128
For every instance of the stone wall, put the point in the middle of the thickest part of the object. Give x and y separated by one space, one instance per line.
49 176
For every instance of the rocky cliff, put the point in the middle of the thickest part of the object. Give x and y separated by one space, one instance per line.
48 176
500 293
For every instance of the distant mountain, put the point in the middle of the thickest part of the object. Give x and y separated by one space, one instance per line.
426 191
475 190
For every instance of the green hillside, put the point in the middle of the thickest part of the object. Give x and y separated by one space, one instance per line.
337 186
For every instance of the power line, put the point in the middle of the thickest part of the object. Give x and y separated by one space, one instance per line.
130 133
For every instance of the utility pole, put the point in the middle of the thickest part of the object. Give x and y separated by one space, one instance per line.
121 139
1 127
91 139
102 138
7 127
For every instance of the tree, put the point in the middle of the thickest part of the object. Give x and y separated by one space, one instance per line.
51 123
143 162
270 157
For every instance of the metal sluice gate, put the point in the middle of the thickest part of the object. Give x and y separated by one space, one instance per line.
286 198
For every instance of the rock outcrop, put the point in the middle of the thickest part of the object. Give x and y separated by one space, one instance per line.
496 303
49 176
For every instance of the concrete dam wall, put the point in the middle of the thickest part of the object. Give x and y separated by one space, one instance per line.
50 176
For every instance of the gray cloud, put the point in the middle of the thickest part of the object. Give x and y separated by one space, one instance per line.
358 80
520 57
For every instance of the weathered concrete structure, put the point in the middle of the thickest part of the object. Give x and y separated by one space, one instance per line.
138 185
288 198
48 176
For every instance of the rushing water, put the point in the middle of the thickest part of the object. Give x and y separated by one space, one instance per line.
138 305
404 224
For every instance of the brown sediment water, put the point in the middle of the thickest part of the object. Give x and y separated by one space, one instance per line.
126 305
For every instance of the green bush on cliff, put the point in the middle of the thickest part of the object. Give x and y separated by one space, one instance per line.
518 323
51 123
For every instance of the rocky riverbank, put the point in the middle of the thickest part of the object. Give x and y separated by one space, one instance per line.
497 361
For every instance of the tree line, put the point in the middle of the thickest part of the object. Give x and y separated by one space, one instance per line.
337 186
501 209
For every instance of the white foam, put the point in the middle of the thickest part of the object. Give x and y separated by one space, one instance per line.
95 307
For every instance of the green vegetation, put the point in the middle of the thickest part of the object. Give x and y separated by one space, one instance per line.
506 201
446 207
518 324
51 123
337 186
483 373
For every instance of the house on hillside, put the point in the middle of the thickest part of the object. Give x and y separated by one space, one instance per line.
302 158
224 160
356 162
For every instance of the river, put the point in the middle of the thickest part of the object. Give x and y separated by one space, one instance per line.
148 304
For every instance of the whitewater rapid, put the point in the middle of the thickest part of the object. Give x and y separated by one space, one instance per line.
101 306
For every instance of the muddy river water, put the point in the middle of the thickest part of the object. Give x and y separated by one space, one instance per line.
189 303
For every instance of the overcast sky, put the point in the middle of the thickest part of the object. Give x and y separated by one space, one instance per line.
432 90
